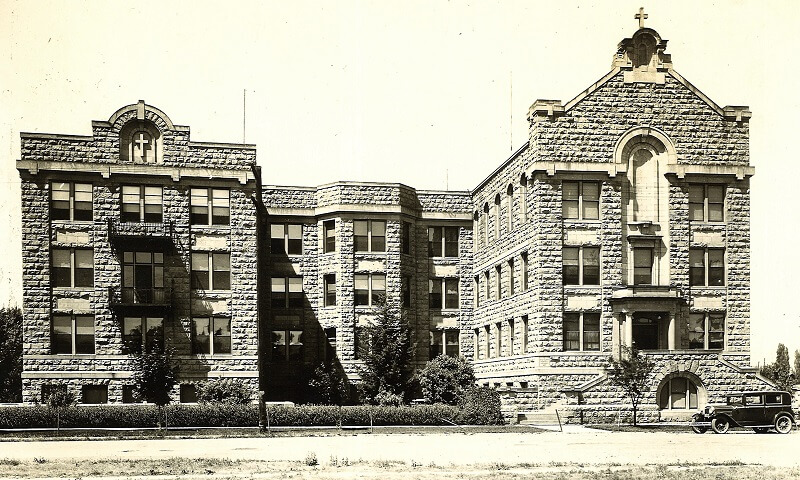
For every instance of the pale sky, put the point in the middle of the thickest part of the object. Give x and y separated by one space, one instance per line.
429 93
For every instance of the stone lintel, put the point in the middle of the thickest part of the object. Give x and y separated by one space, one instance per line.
739 171
551 168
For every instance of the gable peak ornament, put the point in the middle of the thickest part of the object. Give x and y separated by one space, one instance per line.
641 16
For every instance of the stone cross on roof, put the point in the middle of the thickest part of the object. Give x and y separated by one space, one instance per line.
640 16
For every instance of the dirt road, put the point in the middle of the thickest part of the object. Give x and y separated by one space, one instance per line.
575 446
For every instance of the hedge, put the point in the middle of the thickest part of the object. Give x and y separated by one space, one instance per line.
211 415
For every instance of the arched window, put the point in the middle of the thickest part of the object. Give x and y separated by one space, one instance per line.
678 393
476 237
510 207
523 198
497 216
485 226
140 142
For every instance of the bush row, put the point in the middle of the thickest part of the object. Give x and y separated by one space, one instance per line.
211 415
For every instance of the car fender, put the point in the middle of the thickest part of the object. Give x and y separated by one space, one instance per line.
780 414
725 416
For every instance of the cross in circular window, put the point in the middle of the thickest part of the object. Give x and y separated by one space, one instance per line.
142 147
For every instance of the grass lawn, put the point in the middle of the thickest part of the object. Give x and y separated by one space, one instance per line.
338 468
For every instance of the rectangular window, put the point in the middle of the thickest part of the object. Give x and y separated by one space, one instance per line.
581 331
143 277
210 206
443 293
580 200
707 267
525 271
370 288
487 344
94 394
369 235
330 289
188 393
498 282
707 331
72 334
287 346
511 336
329 235
511 277
524 334
128 394
405 242
405 286
443 241
286 239
642 266
72 268
487 284
444 342
477 290
581 265
706 203
71 201
211 335
141 203
498 339
211 271
142 333
287 292
476 344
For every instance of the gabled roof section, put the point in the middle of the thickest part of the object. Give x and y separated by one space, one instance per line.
503 165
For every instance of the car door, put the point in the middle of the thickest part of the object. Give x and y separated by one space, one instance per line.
752 412
773 405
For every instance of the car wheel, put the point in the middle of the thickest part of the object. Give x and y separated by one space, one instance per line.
783 424
761 430
720 425
698 428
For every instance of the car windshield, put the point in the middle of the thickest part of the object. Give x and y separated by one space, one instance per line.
735 400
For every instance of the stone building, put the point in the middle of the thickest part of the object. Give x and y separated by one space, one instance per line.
622 222
132 235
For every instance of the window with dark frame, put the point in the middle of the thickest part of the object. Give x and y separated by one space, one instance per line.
72 334
329 236
369 288
443 241
707 267
209 206
524 333
142 334
72 267
188 393
211 335
94 394
286 292
443 293
524 266
286 239
329 281
581 265
581 331
444 342
580 200
71 201
142 203
511 277
706 203
498 282
143 277
287 346
369 235
707 331
211 271
643 266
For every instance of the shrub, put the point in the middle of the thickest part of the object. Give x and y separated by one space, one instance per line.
389 399
480 406
224 391
446 379
328 386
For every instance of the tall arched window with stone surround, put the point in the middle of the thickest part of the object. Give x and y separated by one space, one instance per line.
523 198
497 217
510 207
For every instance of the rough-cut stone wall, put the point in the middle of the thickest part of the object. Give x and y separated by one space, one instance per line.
109 365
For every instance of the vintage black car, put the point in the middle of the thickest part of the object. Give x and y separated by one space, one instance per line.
760 411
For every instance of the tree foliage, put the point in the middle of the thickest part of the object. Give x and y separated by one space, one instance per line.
480 406
631 373
386 350
328 386
780 371
59 399
10 355
796 365
446 379
154 374
226 391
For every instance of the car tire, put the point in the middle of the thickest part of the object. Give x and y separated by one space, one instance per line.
698 428
720 425
783 424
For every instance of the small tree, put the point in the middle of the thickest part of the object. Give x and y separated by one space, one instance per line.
10 354
386 350
224 391
480 406
780 371
631 373
446 379
327 386
154 374
58 400
797 366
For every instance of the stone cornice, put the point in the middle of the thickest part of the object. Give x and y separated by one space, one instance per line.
107 170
